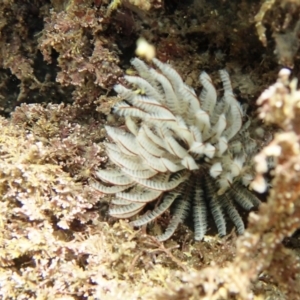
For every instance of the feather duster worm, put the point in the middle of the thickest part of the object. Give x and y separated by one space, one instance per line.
186 153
